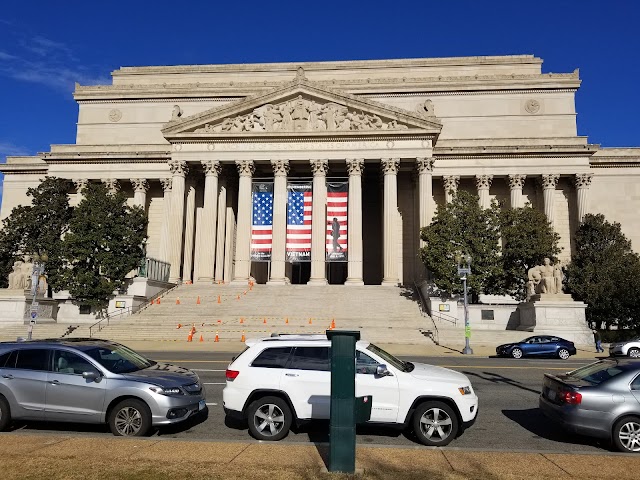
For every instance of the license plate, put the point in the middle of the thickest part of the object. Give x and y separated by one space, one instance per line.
201 405
551 394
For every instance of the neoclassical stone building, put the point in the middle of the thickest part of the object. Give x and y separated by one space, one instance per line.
221 156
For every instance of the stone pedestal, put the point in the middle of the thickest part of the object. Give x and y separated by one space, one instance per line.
47 311
557 315
12 307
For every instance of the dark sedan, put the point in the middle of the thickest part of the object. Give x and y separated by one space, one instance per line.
599 400
538 346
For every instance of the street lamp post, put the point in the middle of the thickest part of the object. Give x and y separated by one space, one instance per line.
464 269
38 270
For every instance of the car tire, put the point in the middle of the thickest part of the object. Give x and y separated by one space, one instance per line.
626 434
269 418
435 424
634 352
5 414
564 354
130 418
516 353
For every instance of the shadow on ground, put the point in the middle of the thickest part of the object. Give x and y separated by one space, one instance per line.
497 378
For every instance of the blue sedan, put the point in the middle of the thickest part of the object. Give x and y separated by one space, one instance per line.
538 346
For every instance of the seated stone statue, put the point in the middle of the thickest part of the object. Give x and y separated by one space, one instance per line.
545 278
15 277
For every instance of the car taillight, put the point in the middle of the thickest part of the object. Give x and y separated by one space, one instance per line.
232 374
571 398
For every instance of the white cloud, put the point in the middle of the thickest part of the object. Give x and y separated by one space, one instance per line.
8 149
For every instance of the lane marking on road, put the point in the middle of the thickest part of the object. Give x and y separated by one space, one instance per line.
215 383
500 367
212 404
206 370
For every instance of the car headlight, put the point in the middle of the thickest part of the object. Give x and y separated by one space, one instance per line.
464 390
166 391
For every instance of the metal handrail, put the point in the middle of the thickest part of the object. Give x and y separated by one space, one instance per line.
424 311
445 317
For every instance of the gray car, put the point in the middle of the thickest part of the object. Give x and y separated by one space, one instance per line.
630 348
601 399
94 381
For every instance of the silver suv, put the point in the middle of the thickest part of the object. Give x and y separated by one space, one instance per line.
94 381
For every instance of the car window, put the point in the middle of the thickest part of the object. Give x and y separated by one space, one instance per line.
635 385
119 359
272 358
599 372
365 364
555 339
71 363
544 340
3 358
311 358
32 359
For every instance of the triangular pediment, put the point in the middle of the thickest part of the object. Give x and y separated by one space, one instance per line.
302 108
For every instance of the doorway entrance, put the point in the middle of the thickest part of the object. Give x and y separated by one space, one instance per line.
336 273
300 272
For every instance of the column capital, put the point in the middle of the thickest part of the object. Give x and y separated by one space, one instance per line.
516 181
583 180
550 181
166 184
211 167
246 168
390 166
319 167
451 182
280 167
425 164
483 182
80 184
178 168
112 184
140 184
355 166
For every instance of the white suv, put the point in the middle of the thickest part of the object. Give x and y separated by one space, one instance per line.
283 379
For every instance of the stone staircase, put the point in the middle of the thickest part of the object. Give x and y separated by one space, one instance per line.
382 314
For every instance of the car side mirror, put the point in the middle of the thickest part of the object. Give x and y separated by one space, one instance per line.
92 376
382 370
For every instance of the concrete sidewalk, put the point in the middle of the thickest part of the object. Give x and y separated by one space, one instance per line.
86 458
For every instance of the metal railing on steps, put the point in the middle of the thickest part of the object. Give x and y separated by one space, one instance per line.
433 334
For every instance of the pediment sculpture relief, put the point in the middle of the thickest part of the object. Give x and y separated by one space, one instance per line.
302 115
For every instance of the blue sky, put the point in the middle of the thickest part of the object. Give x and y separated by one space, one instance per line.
46 46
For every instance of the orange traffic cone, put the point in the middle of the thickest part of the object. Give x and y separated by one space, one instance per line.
179 326
286 320
198 300
238 297
242 339
178 301
241 320
244 293
219 299
310 322
333 324
190 337
201 338
264 320
251 286
217 339
219 321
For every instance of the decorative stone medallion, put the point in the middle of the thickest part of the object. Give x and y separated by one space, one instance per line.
532 106
115 115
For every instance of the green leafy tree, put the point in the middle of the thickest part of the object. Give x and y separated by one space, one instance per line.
527 238
104 243
605 273
38 228
462 226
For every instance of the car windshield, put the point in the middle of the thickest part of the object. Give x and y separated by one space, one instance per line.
599 372
119 359
390 359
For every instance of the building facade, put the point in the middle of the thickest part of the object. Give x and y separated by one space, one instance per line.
199 147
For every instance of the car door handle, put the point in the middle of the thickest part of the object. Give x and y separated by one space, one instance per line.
54 382
8 376
291 374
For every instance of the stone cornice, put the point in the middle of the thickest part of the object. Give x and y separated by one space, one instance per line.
524 150
31 168
106 156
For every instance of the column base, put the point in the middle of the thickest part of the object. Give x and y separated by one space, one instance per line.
204 280
390 282
318 282
277 281
354 282
240 281
176 280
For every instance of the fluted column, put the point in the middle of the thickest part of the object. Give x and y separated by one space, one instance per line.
179 170
516 184
112 184
222 222
207 254
319 222
483 184
355 167
390 170
451 183
166 220
279 231
549 183
425 191
140 187
189 231
243 231
583 182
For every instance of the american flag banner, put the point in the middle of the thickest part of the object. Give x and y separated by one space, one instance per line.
262 221
337 203
299 207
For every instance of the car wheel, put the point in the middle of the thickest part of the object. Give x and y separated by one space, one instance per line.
516 353
435 424
626 434
130 418
269 418
564 354
5 414
634 352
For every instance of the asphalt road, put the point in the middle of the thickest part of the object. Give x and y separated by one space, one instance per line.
508 420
